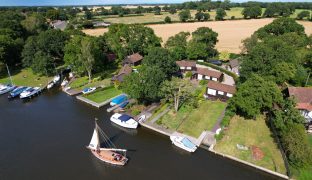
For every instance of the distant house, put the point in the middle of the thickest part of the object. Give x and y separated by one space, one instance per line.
101 24
133 60
186 65
206 74
234 66
219 90
124 71
58 24
303 98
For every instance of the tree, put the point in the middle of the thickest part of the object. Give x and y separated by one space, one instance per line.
185 15
53 14
254 96
88 15
226 5
280 26
177 45
252 11
196 50
200 16
10 49
157 10
167 19
303 14
220 14
144 85
86 56
177 91
162 59
124 39
35 23
172 10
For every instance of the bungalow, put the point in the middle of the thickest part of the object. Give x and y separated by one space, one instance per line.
303 98
186 65
58 24
124 71
234 66
206 74
133 60
219 90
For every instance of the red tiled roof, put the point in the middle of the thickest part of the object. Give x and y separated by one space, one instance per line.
134 58
221 87
303 97
207 72
186 63
126 69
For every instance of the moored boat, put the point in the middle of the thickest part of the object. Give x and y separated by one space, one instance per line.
88 90
118 100
56 78
17 91
50 85
124 121
183 143
29 92
6 88
110 155
64 83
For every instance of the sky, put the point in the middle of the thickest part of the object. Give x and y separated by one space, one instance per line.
103 2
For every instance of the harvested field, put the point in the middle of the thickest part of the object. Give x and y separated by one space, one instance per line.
231 33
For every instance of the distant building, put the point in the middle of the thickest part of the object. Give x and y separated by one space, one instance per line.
220 91
124 71
206 74
101 24
234 66
58 24
186 65
133 60
303 98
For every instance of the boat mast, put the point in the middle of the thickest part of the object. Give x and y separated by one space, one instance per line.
9 73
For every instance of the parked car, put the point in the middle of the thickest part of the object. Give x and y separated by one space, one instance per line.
215 62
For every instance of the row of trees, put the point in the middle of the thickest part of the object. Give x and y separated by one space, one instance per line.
276 54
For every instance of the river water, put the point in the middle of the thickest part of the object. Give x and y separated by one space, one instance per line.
45 139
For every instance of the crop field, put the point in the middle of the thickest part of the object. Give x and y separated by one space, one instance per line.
231 33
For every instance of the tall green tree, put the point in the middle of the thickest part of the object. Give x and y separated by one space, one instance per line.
35 23
255 96
185 15
128 39
303 14
177 91
177 45
86 56
220 14
162 59
252 11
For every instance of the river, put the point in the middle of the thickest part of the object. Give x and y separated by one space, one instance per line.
45 139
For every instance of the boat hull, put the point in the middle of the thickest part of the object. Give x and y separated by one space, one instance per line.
123 124
177 143
108 157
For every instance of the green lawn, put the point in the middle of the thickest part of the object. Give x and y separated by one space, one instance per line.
252 133
193 121
26 77
158 111
103 94
83 82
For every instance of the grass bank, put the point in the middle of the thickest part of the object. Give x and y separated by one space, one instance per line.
26 77
193 121
83 82
103 94
252 133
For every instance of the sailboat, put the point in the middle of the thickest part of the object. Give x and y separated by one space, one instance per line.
111 154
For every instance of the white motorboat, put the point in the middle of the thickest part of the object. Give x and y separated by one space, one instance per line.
6 88
124 121
88 90
56 78
29 92
64 83
183 143
141 118
50 85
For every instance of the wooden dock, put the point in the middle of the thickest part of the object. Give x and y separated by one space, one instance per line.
92 103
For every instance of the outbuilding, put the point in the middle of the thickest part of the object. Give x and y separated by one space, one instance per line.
219 90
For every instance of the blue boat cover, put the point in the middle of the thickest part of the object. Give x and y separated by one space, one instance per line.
85 89
124 118
188 143
119 99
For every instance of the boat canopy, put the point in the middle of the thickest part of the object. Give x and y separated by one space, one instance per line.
119 99
124 118
188 143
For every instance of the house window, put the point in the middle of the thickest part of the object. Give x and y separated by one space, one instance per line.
200 77
189 68
229 95
207 77
220 93
182 67
211 92
214 79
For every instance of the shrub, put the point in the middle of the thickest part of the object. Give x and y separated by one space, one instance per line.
167 19
232 17
135 112
188 74
225 121
203 82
